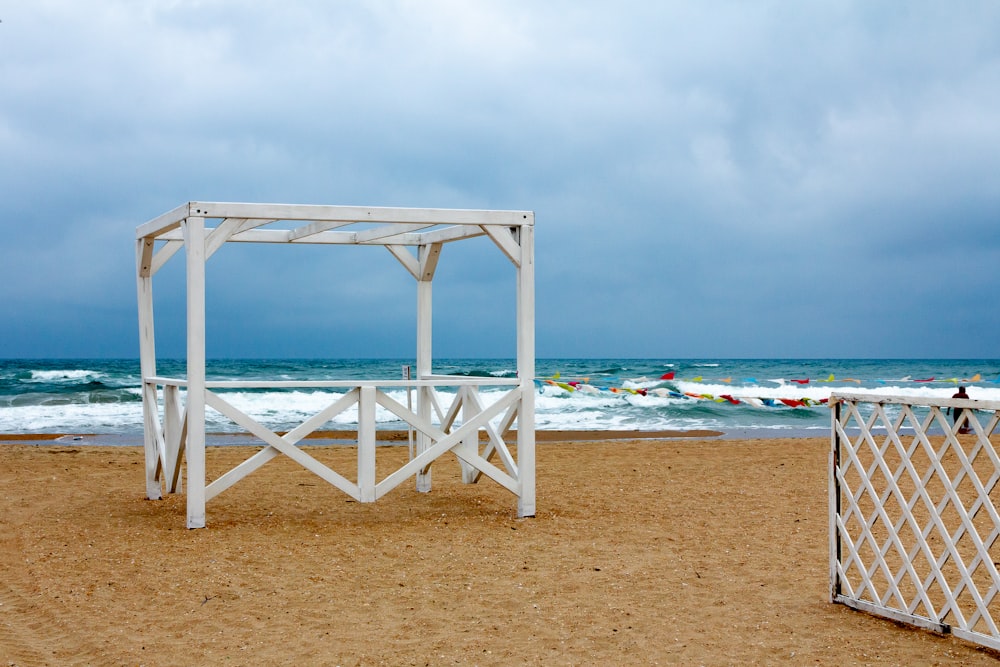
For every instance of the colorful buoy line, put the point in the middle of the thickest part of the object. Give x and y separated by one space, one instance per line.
583 385
660 392
728 380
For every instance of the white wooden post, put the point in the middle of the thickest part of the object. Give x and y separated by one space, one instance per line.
833 498
526 371
366 445
194 244
409 406
427 256
173 435
469 473
147 362
424 408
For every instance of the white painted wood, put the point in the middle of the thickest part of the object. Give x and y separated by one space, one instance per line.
447 235
245 236
454 409
977 638
194 245
168 250
281 236
147 364
366 445
432 381
283 446
292 437
405 258
284 236
151 443
913 524
526 370
476 462
163 223
894 542
144 257
894 615
435 403
182 431
470 445
833 499
252 224
876 399
385 233
420 424
344 402
312 229
217 237
496 443
409 406
241 471
174 435
504 239
309 212
429 256
446 442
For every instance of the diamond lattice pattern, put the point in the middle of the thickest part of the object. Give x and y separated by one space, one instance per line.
915 523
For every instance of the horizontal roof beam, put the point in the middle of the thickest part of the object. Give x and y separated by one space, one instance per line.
163 223
445 235
449 234
383 232
314 228
309 213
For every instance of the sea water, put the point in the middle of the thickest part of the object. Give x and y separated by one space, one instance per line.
741 396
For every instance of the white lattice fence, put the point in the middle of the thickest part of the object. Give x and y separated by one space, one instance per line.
914 525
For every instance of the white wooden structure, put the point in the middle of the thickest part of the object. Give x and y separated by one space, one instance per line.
174 424
913 514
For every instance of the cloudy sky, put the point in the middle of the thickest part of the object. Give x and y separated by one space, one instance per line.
709 179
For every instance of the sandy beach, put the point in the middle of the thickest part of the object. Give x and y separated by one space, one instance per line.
644 551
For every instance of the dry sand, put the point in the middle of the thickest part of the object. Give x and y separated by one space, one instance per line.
643 552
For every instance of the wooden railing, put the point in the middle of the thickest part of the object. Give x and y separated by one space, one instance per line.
439 429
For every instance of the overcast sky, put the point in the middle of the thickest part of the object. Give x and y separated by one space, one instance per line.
709 179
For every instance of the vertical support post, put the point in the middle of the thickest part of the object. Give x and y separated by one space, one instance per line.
526 371
194 244
173 435
409 406
833 484
427 256
423 370
470 474
366 445
147 363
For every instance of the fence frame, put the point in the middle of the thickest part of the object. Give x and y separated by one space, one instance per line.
924 540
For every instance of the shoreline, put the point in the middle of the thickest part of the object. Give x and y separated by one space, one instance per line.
396 437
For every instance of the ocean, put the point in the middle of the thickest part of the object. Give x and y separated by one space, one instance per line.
740 397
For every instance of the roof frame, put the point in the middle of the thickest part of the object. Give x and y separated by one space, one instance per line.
396 226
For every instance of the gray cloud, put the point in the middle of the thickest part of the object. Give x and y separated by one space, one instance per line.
709 179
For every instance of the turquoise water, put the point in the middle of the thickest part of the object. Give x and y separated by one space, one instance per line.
102 396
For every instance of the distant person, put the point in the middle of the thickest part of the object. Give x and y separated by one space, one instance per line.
957 412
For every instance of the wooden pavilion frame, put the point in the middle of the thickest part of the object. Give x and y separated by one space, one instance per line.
174 426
